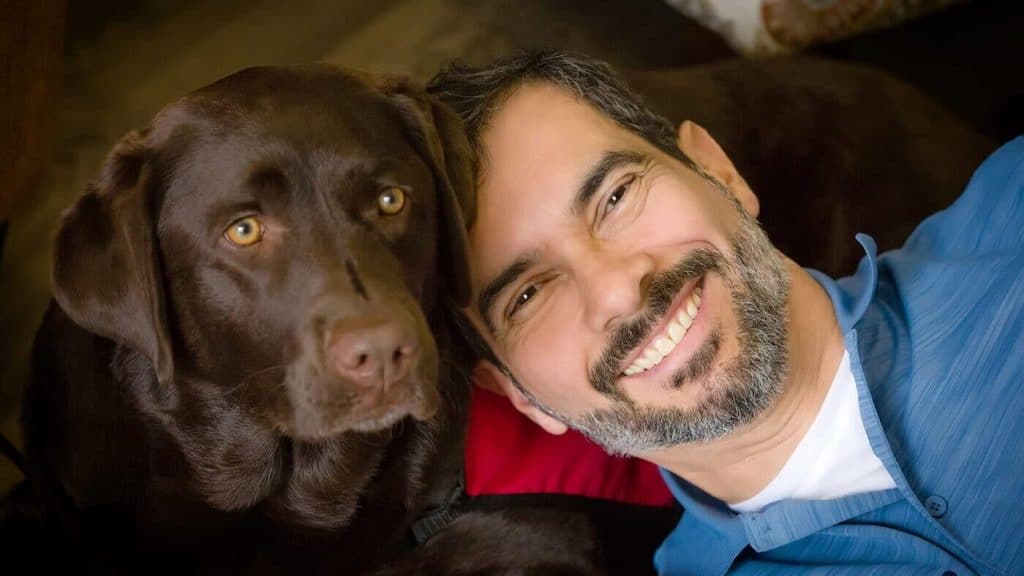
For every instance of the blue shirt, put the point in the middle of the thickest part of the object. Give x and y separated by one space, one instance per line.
935 333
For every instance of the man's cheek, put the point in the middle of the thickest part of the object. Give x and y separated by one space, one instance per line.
535 370
548 378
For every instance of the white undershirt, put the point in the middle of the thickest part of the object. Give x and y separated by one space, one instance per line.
834 459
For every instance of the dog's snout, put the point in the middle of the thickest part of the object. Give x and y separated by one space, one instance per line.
375 355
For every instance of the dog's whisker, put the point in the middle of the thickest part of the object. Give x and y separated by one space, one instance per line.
247 379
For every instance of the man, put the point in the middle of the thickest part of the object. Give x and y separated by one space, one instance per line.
869 425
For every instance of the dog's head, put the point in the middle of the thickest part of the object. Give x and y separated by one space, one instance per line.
275 242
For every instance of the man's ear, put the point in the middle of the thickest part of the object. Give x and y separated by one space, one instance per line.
441 139
105 270
490 377
695 142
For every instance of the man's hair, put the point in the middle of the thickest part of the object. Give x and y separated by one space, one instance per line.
477 93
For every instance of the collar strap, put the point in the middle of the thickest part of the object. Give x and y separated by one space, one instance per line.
439 517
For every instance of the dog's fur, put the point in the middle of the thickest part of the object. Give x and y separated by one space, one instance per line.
187 403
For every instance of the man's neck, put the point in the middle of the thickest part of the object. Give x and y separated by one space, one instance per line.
738 467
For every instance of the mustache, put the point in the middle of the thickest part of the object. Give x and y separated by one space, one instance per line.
629 335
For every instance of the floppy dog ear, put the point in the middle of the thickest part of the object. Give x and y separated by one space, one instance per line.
443 142
105 270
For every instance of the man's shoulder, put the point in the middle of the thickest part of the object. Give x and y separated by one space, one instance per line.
987 217
954 293
946 324
940 346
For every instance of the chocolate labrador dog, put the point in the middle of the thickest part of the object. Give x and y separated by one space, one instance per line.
247 367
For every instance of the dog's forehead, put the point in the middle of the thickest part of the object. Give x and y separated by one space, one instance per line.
314 92
320 126
301 109
312 106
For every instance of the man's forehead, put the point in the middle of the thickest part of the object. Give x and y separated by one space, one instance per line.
538 148
536 122
543 135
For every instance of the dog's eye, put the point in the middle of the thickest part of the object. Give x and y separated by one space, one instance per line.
245 231
391 201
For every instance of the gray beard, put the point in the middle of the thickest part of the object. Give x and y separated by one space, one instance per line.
742 388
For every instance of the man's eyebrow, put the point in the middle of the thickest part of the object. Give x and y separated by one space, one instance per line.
594 177
494 288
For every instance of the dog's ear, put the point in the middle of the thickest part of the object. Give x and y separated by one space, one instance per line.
439 135
105 270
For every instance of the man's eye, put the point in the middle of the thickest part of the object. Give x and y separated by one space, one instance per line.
525 296
618 194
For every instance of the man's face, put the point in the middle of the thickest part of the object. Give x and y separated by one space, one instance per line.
633 298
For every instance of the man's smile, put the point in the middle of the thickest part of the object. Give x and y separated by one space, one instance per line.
680 323
667 330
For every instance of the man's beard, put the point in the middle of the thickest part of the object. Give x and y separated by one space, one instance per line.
737 391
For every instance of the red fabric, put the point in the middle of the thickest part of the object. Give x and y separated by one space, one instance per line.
508 454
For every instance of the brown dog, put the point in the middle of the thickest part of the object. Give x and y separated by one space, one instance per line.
247 367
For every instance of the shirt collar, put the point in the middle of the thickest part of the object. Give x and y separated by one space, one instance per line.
852 295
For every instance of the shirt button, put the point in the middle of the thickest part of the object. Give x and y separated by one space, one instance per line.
949 573
936 506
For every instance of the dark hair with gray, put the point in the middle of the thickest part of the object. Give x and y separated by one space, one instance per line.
477 93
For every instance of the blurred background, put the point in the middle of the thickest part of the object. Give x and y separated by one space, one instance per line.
77 75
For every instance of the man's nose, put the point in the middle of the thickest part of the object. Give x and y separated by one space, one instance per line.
613 287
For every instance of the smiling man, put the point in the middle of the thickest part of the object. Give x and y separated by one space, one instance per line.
624 287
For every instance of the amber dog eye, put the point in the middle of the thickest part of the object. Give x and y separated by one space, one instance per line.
245 231
391 201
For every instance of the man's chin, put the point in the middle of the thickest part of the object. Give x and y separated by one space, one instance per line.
714 407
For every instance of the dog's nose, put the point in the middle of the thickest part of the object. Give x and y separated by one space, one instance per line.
373 356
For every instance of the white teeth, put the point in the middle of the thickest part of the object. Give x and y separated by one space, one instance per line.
684 318
665 343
